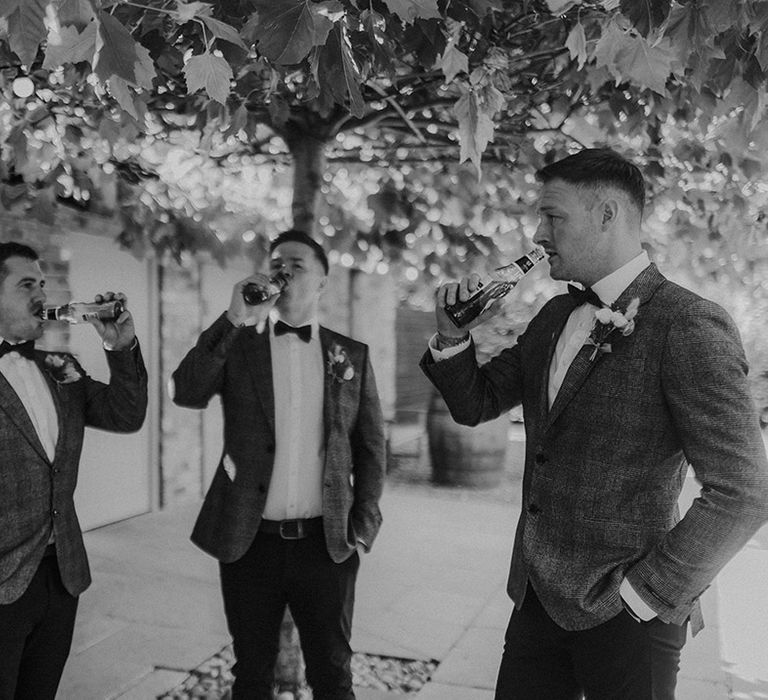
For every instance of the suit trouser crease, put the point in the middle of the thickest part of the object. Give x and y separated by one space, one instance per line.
256 588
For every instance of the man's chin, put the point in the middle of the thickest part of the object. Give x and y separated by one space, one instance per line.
35 333
555 269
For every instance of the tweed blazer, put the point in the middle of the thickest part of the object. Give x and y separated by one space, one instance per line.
235 363
36 494
605 465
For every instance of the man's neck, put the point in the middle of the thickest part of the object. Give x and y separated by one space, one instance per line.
296 318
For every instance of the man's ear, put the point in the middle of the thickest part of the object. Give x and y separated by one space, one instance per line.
609 211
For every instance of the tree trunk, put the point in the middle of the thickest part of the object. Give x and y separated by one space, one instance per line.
307 146
308 151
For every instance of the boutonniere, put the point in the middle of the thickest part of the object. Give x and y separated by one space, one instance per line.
62 368
607 322
339 365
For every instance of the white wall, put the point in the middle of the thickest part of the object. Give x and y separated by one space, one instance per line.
116 470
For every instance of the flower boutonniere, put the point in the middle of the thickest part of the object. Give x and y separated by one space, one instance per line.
607 322
62 368
339 365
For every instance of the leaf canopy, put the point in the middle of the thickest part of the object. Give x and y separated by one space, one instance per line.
91 88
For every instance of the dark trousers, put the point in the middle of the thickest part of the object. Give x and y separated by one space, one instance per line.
274 573
35 636
621 659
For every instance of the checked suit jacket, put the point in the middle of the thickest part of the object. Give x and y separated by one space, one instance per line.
235 363
605 465
36 494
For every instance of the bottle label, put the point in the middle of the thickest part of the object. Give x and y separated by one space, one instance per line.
525 264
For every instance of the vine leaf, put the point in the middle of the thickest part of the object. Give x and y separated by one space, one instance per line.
223 31
187 11
453 62
576 43
211 73
26 28
648 65
337 72
67 45
288 30
411 10
475 127
115 50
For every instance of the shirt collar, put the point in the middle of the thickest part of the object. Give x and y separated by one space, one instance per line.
610 288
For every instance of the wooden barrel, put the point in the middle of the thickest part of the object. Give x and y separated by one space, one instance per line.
463 456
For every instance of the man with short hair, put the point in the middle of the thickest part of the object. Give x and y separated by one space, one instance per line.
295 496
623 384
46 401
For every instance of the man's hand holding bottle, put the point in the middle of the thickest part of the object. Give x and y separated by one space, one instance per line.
243 313
116 333
460 306
449 294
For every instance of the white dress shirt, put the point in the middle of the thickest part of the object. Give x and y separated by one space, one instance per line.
27 381
296 486
571 340
582 319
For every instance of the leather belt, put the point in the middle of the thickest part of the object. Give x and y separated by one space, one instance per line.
292 529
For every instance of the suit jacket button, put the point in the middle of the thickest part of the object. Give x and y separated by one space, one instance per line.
55 513
262 488
533 509
541 458
270 449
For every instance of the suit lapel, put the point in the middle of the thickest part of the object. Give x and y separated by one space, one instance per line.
642 287
558 324
256 355
14 408
326 339
574 378
55 391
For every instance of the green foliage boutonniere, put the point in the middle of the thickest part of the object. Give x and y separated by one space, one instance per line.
607 322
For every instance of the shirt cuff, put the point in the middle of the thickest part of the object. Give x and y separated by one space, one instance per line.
637 607
108 346
445 353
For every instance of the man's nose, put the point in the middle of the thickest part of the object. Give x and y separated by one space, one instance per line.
540 237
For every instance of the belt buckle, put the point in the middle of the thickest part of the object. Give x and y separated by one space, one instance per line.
299 532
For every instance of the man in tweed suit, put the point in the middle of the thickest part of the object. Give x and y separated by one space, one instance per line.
295 496
46 400
622 387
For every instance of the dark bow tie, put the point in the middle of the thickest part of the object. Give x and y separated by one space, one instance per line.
25 349
584 296
304 332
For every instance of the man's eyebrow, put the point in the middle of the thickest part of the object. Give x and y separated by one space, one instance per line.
28 278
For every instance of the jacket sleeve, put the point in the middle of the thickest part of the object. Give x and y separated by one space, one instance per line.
121 405
704 379
368 460
199 375
476 394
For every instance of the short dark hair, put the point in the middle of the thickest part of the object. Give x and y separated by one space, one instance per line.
12 249
596 167
297 236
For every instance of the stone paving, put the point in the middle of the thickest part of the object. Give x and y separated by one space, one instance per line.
432 588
